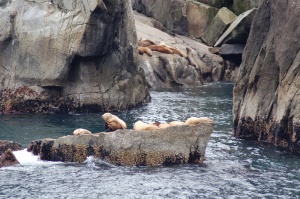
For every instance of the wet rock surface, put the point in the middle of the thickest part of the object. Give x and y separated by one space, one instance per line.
8 159
82 55
173 145
266 93
6 144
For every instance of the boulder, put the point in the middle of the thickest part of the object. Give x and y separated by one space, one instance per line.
6 144
8 159
240 6
217 27
238 31
69 56
267 91
232 52
199 16
171 13
172 145
171 70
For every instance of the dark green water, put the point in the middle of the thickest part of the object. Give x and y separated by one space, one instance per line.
233 168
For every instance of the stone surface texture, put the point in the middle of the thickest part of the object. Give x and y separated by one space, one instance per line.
8 159
238 31
81 54
240 6
217 27
267 90
6 144
172 145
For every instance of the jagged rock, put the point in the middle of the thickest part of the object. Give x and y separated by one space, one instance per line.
199 16
171 70
173 145
240 6
171 13
217 3
267 90
219 24
81 54
6 144
8 159
238 31
232 52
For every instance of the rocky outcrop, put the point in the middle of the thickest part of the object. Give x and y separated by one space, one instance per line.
172 145
219 24
267 91
171 70
8 159
6 144
66 56
240 6
238 31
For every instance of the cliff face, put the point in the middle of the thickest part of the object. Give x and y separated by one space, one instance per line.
267 91
82 54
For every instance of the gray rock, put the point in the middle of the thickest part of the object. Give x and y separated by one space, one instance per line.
267 90
199 16
240 6
172 145
8 159
238 31
232 52
217 27
6 144
217 3
80 53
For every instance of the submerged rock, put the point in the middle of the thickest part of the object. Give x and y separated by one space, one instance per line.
60 56
6 144
172 145
8 159
267 91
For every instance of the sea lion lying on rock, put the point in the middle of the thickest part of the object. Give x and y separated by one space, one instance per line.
114 122
176 123
139 125
161 49
81 131
143 50
145 42
196 120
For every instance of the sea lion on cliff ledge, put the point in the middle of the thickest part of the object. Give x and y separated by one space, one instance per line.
114 122
143 50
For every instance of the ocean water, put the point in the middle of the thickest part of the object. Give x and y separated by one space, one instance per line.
233 168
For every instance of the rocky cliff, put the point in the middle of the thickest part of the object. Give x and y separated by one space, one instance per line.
67 56
267 91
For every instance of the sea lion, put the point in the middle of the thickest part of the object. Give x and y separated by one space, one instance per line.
191 58
145 43
174 49
143 50
198 120
161 49
139 125
81 131
163 125
176 123
114 122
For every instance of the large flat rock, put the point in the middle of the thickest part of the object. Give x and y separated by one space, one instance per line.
172 145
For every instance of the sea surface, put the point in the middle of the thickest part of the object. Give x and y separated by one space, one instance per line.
233 168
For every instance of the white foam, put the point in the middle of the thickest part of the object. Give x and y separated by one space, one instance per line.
27 158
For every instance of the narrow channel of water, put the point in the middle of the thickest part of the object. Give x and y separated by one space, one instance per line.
233 168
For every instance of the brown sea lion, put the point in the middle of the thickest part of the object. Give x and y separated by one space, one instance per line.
174 49
191 58
114 122
161 49
81 131
143 50
145 43
139 125
198 120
